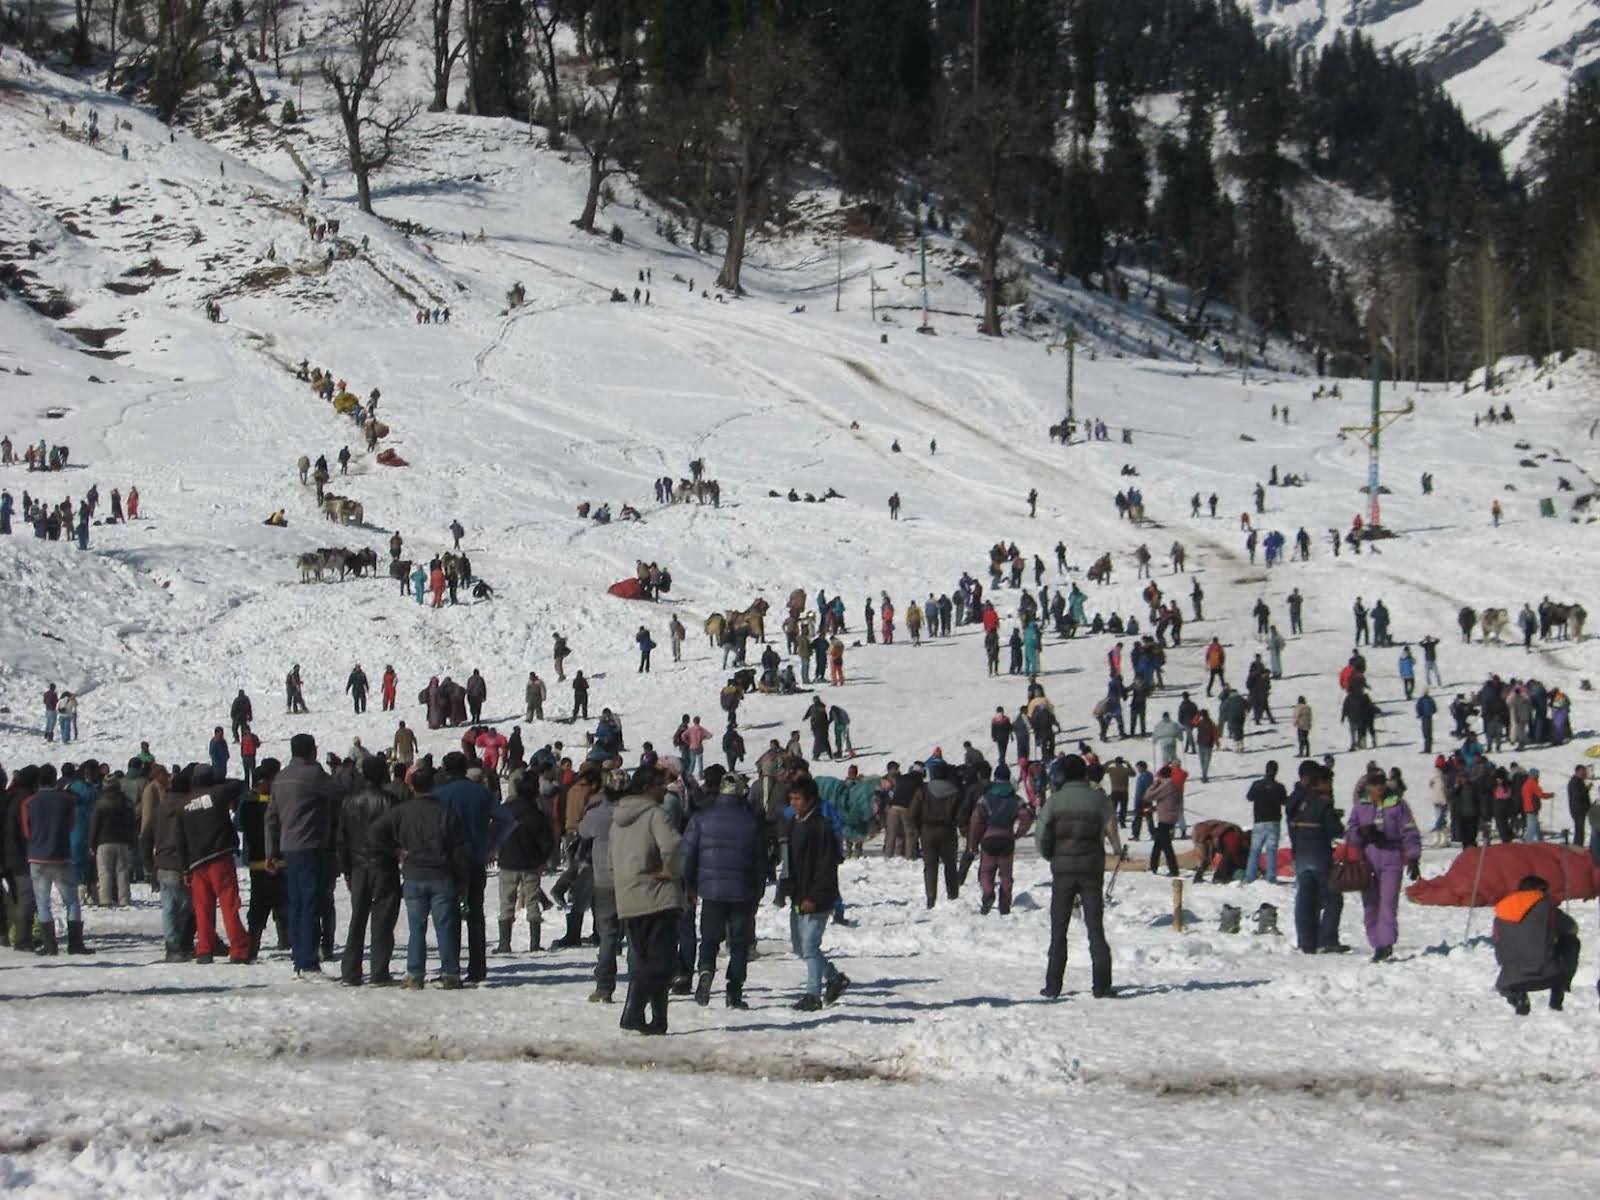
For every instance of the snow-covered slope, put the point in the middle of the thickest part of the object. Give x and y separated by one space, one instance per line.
1501 60
127 1076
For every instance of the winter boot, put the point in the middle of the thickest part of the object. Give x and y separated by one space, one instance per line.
505 938
535 935
282 926
1229 922
1267 920
988 903
736 996
1005 904
633 1010
24 943
47 941
702 989
1557 999
682 983
574 935
1519 1003
657 1024
255 945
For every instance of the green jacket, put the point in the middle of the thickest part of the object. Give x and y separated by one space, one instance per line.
1071 829
852 801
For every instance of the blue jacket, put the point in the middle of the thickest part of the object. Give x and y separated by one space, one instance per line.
475 808
47 821
218 750
724 853
1426 706
84 796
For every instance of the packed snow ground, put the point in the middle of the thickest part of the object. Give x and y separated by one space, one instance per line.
1229 1058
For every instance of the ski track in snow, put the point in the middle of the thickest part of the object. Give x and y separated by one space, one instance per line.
941 1071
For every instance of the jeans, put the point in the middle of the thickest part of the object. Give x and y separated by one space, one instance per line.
177 911
736 922
1431 674
115 863
67 726
305 902
696 765
65 881
609 930
1088 889
1530 828
49 724
434 898
375 897
805 936
1263 837
1317 908
1205 763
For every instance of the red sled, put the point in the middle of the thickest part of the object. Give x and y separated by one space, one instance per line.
390 459
627 589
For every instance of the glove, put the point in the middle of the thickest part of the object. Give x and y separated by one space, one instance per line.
1413 871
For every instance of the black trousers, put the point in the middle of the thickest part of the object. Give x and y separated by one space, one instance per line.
477 940
721 919
937 852
1162 844
374 896
1088 889
652 952
269 900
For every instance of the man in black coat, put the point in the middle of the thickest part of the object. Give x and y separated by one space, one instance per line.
1314 827
374 885
430 843
813 888
522 855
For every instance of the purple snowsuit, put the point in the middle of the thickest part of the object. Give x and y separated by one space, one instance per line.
1389 839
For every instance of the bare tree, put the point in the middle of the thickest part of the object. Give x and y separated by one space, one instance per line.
271 11
1490 307
598 127
111 39
373 31
544 18
444 53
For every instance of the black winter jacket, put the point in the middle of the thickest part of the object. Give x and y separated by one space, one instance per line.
527 847
205 824
357 815
425 838
813 862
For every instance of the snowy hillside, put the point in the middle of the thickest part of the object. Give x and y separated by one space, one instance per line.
1501 60
938 1071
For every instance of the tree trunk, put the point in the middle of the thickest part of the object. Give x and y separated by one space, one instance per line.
591 199
443 59
469 21
989 272
111 37
733 259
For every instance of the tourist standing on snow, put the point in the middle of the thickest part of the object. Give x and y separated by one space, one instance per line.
1074 824
999 818
1313 830
647 873
1382 827
724 864
300 830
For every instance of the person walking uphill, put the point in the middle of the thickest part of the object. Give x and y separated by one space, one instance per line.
300 827
724 864
1074 824
1382 827
647 873
813 890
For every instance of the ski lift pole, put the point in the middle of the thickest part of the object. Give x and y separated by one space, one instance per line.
1070 345
920 279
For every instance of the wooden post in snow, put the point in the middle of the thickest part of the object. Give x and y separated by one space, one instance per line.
1177 906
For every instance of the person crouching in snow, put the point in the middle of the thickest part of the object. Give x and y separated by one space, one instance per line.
1536 945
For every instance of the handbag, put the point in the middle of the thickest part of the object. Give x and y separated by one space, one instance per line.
1351 870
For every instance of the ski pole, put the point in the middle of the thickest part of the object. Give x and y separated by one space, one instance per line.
1473 903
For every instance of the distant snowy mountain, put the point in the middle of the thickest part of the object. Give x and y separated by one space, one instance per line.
1502 60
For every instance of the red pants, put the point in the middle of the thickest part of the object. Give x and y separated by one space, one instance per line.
836 672
212 884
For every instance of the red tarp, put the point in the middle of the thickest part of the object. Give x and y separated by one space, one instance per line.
390 459
1570 872
628 589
